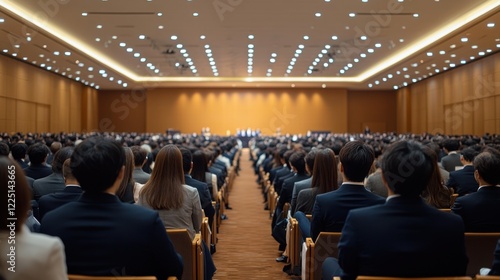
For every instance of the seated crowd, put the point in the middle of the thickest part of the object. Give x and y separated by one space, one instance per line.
101 208
399 188
100 203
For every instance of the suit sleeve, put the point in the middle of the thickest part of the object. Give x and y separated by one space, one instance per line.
495 269
56 262
348 247
295 194
197 215
316 222
163 254
452 183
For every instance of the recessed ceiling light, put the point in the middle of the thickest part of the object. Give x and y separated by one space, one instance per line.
442 52
173 37
56 53
160 26
378 45
335 37
97 39
142 37
352 14
323 85
464 39
401 40
317 14
99 26
250 37
371 50
159 14
195 14
363 38
364 1
415 15
202 37
67 53
491 24
130 49
481 53
370 85
474 47
429 54
306 37
250 46
84 14
453 55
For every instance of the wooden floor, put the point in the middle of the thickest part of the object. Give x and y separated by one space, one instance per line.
246 249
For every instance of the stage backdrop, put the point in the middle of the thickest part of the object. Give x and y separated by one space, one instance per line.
226 110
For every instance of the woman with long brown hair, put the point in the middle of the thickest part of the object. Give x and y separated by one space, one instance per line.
178 204
126 189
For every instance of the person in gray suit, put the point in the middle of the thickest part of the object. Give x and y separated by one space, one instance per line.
140 158
55 181
452 159
374 183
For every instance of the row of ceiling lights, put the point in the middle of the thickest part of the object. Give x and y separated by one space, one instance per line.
433 68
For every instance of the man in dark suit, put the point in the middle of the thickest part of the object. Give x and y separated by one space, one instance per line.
479 210
306 183
55 181
462 181
19 151
452 158
38 154
71 192
331 209
140 158
202 187
404 237
284 173
101 235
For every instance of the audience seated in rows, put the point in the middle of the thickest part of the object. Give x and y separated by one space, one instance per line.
102 235
405 237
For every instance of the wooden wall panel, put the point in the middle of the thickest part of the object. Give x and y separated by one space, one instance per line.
125 111
375 109
22 83
226 110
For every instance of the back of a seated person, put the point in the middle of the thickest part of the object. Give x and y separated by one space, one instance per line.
479 210
38 168
71 192
55 181
102 235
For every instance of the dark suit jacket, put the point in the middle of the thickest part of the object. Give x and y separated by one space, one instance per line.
38 171
297 187
404 237
495 269
205 197
103 236
140 176
450 161
480 210
462 181
287 189
52 201
281 177
330 209
50 184
218 174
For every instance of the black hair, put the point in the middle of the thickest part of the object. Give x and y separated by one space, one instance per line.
357 160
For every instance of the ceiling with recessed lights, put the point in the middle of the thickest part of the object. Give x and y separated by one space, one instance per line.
355 44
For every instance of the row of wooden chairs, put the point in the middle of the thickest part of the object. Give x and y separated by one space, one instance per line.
479 247
476 277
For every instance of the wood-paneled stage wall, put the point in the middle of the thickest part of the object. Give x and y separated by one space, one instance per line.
465 100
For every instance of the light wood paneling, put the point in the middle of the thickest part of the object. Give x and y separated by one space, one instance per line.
463 101
375 109
31 95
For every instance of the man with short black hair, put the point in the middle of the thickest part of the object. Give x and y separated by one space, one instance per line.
479 210
102 235
55 181
452 158
404 237
18 152
38 154
462 181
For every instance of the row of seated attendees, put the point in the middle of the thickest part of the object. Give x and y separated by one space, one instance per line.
85 199
399 183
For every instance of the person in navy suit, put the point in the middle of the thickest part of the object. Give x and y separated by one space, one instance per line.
404 237
55 181
205 197
479 210
71 192
38 168
330 209
103 236
463 181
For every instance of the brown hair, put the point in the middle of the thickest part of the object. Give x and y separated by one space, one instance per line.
17 192
325 171
164 189
127 184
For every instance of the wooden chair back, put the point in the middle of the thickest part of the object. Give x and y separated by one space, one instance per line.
487 277
326 245
214 225
206 232
191 252
480 247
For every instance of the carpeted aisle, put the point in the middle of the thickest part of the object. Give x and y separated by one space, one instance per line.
246 249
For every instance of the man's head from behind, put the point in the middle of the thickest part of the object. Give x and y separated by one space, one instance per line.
38 153
356 158
407 167
487 166
96 163
140 155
